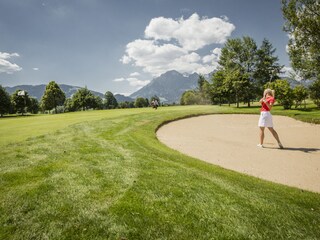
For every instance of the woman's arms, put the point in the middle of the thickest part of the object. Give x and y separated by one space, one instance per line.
264 100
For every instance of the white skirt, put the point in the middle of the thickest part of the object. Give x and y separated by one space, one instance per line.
265 119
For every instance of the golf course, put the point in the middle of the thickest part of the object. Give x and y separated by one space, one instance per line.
105 175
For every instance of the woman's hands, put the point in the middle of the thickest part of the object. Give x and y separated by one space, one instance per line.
262 100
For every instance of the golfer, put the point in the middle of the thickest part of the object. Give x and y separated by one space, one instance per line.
265 119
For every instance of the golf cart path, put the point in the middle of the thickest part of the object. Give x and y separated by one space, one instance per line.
230 141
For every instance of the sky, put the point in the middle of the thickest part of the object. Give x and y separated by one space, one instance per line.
121 45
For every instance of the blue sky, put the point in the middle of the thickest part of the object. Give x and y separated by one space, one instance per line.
120 45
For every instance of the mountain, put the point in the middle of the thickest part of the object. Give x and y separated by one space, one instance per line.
168 86
38 90
122 98
304 82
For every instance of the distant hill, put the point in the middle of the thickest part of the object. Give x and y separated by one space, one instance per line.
168 86
302 82
122 98
37 91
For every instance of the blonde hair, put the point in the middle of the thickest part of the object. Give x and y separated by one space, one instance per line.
268 91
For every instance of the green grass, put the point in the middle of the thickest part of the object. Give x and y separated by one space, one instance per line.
104 175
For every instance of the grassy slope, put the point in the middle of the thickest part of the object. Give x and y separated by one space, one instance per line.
109 177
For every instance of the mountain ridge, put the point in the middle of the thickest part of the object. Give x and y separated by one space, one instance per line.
169 86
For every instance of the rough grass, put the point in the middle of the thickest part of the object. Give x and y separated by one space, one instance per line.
107 177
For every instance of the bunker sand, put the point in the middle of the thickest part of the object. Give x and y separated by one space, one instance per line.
230 141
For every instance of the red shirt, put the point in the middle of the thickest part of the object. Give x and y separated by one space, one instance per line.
264 107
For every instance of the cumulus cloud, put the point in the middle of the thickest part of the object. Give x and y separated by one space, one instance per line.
119 79
7 66
133 81
134 74
172 44
137 83
213 57
125 59
193 33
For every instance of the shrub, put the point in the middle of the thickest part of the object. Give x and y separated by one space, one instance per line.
315 92
300 93
283 92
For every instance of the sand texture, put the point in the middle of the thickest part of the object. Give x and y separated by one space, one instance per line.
230 141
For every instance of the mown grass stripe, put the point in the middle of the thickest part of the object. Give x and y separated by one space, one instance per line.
109 178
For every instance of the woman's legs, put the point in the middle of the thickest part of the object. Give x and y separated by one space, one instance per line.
261 135
276 136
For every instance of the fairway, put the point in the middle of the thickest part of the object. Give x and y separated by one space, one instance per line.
105 175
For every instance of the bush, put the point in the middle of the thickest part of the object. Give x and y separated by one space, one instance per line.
190 97
300 93
315 92
60 109
283 92
141 102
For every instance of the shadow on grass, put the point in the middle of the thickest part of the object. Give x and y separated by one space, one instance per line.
17 116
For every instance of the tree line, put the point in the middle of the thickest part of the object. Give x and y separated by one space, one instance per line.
54 101
246 69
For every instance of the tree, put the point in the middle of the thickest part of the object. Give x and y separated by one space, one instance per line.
126 104
20 101
190 97
5 102
267 67
283 92
141 102
34 106
300 93
303 24
83 99
237 60
315 92
217 89
52 97
69 105
204 89
110 101
98 103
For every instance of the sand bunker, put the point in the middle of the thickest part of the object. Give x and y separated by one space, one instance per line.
230 141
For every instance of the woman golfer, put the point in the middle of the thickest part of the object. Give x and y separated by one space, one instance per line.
265 119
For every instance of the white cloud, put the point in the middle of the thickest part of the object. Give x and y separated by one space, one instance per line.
35 69
224 17
8 55
193 33
125 59
119 79
135 82
157 59
212 58
6 66
161 28
123 93
171 44
134 74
